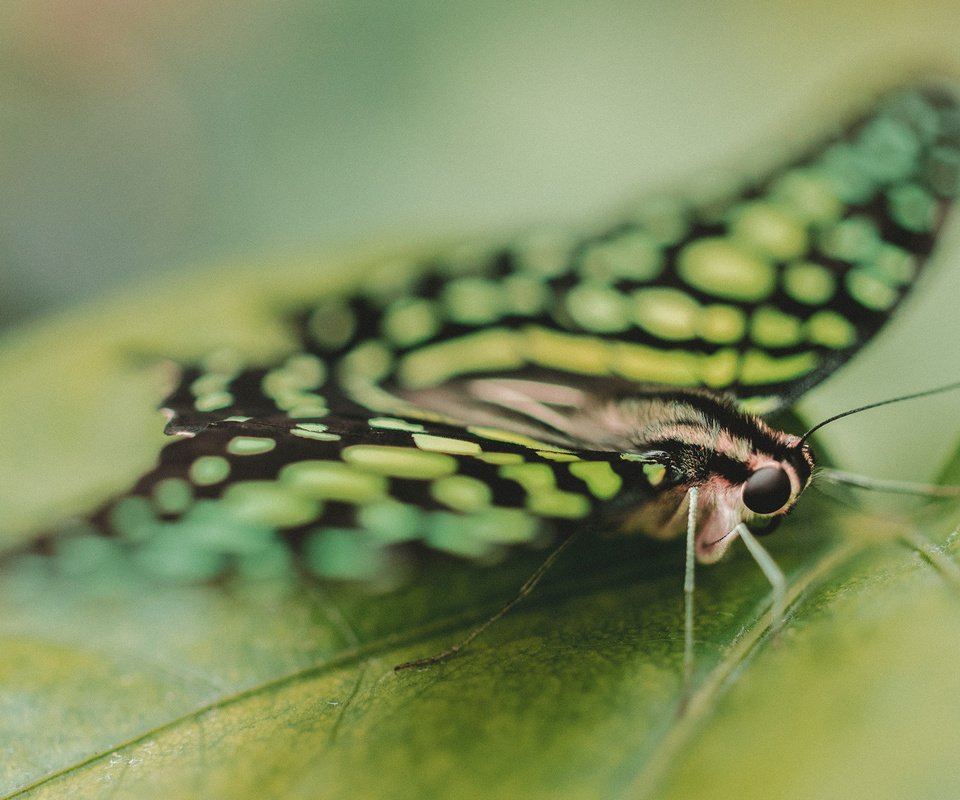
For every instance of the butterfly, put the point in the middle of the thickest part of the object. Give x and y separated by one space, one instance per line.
490 397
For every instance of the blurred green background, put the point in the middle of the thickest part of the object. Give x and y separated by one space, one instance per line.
139 139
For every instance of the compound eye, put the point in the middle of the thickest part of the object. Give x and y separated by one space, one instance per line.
767 490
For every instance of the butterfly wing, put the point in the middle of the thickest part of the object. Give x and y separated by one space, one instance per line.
445 401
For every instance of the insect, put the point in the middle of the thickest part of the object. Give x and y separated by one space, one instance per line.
492 397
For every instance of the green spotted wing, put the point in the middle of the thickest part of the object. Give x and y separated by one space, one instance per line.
441 401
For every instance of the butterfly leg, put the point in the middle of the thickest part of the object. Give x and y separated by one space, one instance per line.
773 573
526 589
689 585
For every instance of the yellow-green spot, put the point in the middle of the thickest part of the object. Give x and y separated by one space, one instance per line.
854 239
237 418
809 283
133 518
400 462
308 371
330 480
369 361
597 308
599 476
499 458
641 363
85 553
771 327
524 295
503 525
391 424
556 455
633 256
208 470
498 435
472 301
664 220
888 149
588 355
209 383
213 401
408 322
894 265
667 313
842 165
654 473
269 503
332 324
346 555
943 170
830 329
461 492
809 195
869 290
759 368
250 445
316 431
719 369
308 407
172 495
565 505
545 253
444 444
723 269
390 521
770 230
722 324
494 349
534 478
912 207
451 533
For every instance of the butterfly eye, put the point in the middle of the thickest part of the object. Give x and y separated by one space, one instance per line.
767 490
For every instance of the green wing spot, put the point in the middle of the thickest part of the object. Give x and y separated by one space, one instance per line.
870 291
524 295
84 553
473 301
854 239
759 368
532 477
172 495
499 459
667 313
556 503
410 321
809 283
635 256
567 352
599 476
504 526
391 424
269 503
843 167
400 462
133 518
213 401
369 361
597 308
557 455
723 269
545 253
912 207
332 325
208 470
329 480
830 329
390 521
664 220
461 493
494 349
943 170
722 324
642 363
444 444
769 230
654 473
770 327
250 445
720 368
809 195
346 555
888 149
894 266
314 430
452 533
499 435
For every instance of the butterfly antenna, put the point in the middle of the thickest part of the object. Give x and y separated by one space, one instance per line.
939 390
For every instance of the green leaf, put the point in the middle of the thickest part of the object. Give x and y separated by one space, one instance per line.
109 687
